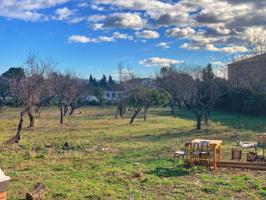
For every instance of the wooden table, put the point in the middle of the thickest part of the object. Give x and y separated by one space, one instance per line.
213 143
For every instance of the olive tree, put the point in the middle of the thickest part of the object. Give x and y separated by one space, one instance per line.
200 92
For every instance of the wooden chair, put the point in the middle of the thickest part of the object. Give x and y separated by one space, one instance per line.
205 153
261 144
183 153
196 153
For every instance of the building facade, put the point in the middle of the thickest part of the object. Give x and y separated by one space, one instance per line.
248 72
111 95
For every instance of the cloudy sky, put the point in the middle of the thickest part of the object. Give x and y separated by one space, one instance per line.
93 36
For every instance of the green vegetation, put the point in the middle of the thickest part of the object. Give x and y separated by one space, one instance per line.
108 158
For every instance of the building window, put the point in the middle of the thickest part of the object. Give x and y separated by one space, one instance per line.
107 95
113 95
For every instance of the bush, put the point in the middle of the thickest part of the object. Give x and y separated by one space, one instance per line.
243 101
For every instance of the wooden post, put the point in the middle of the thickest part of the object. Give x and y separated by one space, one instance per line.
190 154
219 149
214 157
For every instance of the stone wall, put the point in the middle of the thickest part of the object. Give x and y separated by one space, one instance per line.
249 73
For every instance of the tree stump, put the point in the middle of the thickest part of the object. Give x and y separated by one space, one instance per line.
37 193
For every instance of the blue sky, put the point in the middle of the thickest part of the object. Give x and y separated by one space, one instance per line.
92 37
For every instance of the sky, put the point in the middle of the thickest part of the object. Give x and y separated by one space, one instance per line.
94 36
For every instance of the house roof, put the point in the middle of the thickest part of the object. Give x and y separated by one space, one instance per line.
261 57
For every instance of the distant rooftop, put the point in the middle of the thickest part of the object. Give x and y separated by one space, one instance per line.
261 57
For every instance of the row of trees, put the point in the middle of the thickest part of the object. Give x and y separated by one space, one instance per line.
198 89
38 84
103 82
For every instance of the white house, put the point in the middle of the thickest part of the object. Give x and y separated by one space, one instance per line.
111 95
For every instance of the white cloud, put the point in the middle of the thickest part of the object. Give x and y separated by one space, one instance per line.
63 13
84 39
122 21
76 20
96 7
234 49
96 18
189 46
157 61
124 36
180 32
225 26
97 26
205 24
157 10
147 34
105 39
28 10
163 45
211 47
83 4
78 39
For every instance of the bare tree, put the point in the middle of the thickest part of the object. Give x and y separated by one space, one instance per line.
169 82
63 88
29 89
167 85
135 94
258 44
139 95
200 92
81 89
124 75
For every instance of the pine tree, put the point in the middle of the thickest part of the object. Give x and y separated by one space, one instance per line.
110 80
103 81
207 73
95 82
91 81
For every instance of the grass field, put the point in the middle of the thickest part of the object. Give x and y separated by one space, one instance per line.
109 159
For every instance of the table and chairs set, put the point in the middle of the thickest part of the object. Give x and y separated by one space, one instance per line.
201 152
204 152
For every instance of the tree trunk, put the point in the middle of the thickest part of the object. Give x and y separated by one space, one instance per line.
37 193
171 102
135 115
38 111
199 122
31 117
122 111
145 112
172 108
117 111
1 104
65 109
62 114
72 109
206 118
179 104
17 137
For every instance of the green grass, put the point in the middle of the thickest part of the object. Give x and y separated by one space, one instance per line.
110 159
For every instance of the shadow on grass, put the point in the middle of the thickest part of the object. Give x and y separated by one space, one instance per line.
170 172
173 134
232 120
